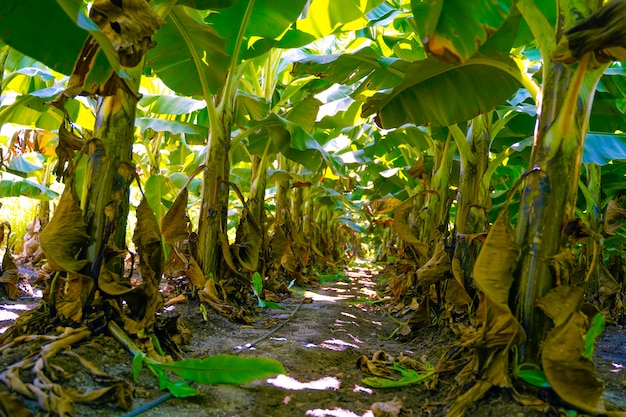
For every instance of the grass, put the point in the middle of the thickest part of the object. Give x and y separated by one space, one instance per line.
18 212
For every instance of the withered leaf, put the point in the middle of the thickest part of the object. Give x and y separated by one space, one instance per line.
497 258
613 218
147 239
64 237
174 223
571 374
9 275
128 25
403 228
436 268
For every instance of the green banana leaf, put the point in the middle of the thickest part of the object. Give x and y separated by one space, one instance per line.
381 72
172 126
426 93
454 30
206 4
66 29
290 139
15 186
189 54
224 369
266 24
602 148
170 104
324 17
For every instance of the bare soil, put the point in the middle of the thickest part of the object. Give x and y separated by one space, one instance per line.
320 342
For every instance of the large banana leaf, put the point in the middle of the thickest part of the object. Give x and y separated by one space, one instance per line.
63 39
324 17
266 24
602 148
291 140
190 56
433 91
454 30
381 72
66 29
206 4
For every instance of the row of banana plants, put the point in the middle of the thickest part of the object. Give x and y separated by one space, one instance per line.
267 139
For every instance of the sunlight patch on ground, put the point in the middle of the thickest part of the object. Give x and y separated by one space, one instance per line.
287 382
337 345
319 297
337 412
7 315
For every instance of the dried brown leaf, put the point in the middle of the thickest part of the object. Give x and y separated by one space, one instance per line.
10 405
436 268
65 236
174 223
496 261
570 373
147 239
613 217
70 296
403 228
9 275
128 25
112 284
195 274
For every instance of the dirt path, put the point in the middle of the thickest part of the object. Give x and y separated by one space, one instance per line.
319 344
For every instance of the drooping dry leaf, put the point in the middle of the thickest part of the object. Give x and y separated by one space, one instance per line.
195 274
571 374
464 401
403 228
147 239
128 25
9 275
613 218
112 284
289 261
608 290
174 223
380 365
436 268
496 261
146 299
248 243
70 295
384 205
226 253
65 236
457 296
11 406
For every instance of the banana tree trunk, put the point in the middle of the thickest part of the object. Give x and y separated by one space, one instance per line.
549 196
473 200
214 206
109 174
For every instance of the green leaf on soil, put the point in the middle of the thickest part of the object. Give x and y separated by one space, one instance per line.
137 364
592 334
179 389
409 377
224 369
535 377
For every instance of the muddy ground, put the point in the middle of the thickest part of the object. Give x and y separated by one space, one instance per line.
317 342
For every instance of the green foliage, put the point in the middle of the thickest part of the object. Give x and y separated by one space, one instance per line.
409 377
219 369
534 377
257 288
596 329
